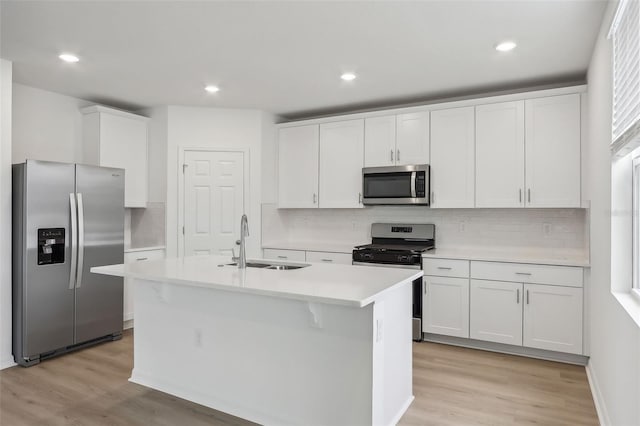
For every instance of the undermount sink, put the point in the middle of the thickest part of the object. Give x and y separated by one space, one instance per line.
275 266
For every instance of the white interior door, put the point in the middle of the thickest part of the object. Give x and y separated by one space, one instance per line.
213 201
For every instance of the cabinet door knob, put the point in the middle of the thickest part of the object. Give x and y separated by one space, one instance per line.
391 156
314 198
527 297
518 296
398 155
529 195
520 195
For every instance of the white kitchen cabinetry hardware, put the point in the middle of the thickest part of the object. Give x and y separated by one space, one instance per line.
548 311
553 318
446 306
328 257
397 140
552 151
445 298
278 254
341 162
298 167
380 141
446 267
131 257
496 311
114 138
453 158
570 276
500 155
412 143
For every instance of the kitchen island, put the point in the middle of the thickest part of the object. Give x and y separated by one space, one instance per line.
319 345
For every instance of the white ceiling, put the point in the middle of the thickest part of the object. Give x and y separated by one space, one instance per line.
286 57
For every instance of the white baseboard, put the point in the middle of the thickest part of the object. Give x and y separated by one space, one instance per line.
7 363
401 412
127 324
598 400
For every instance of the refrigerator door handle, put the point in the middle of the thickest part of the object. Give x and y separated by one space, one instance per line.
80 240
73 241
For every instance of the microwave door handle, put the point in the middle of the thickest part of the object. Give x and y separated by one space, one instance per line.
413 184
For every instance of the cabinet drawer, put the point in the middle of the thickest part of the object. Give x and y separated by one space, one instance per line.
296 255
327 257
446 267
522 272
139 256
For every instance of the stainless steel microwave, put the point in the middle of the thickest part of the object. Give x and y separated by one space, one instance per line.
396 185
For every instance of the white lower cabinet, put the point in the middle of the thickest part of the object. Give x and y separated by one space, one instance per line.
279 254
553 318
446 306
329 257
131 257
496 311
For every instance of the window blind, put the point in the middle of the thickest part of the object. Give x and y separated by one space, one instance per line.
626 72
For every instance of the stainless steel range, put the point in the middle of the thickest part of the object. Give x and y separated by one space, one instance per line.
399 246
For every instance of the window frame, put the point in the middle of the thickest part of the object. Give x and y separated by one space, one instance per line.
635 260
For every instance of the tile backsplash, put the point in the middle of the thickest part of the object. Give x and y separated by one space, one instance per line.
535 229
147 226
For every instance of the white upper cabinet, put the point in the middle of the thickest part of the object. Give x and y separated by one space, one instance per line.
397 140
114 138
552 135
500 155
341 162
380 141
453 158
412 144
298 167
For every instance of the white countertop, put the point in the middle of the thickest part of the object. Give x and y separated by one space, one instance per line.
135 249
324 283
327 246
542 257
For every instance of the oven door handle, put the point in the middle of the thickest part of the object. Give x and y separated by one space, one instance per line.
413 184
386 265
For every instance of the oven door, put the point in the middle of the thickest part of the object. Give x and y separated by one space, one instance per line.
396 185
416 299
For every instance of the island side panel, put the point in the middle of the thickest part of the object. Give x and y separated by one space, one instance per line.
270 360
393 355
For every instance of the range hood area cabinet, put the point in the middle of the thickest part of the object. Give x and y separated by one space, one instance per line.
321 165
396 140
114 138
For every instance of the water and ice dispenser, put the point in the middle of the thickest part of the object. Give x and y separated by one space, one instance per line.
50 246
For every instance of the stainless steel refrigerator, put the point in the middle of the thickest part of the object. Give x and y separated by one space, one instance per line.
67 218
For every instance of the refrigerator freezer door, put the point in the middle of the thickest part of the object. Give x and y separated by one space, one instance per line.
99 298
46 307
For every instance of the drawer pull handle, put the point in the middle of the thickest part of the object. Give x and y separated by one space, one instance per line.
523 273
283 257
444 267
327 260
142 258
518 296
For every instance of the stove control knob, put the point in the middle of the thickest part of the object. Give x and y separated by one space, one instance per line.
367 256
403 258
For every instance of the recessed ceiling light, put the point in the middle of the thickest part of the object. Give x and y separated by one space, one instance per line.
506 46
68 57
212 89
348 76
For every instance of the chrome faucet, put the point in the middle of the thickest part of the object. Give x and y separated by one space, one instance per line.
244 232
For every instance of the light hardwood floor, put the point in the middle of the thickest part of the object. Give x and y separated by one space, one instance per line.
452 386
